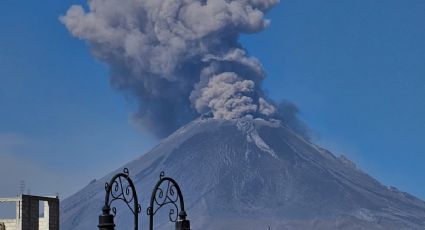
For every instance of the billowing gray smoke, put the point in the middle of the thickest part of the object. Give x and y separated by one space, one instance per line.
180 58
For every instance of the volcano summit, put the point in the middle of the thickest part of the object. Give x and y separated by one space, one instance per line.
248 174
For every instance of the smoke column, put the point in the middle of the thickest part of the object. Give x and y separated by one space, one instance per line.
179 58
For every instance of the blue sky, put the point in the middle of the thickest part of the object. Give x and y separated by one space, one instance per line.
355 69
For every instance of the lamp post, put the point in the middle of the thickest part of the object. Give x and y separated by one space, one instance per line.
165 193
171 196
121 187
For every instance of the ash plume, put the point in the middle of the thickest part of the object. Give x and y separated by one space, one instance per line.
178 58
288 113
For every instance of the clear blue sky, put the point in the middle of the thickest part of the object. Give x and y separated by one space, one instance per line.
356 69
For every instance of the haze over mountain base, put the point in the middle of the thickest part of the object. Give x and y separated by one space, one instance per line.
250 174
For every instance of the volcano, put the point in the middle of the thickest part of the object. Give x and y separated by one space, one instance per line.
252 174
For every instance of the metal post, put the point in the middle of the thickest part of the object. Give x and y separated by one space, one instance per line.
182 223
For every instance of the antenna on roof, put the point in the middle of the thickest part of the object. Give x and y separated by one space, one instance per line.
22 187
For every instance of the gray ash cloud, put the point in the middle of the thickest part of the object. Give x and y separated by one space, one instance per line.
178 58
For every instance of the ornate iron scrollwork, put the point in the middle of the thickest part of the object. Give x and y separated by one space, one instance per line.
121 187
167 193
118 189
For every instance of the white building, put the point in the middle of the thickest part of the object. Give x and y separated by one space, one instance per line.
28 213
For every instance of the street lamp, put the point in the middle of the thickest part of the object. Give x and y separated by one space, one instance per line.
118 190
106 220
182 223
165 193
170 195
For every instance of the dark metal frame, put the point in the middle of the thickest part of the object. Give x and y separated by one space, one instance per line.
169 196
119 191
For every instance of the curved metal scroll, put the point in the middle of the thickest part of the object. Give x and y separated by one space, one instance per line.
166 193
121 187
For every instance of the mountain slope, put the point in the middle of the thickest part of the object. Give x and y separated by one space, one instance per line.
249 174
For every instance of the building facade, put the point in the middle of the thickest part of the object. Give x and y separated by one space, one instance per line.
28 213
